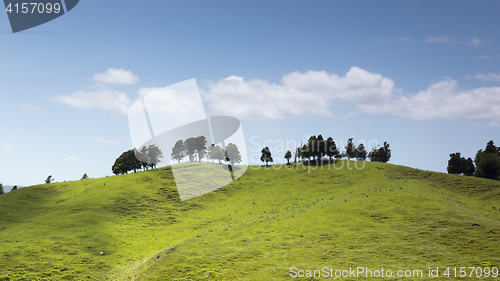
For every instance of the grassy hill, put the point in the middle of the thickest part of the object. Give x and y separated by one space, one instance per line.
134 227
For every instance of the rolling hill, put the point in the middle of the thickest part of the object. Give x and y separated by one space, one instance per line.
134 227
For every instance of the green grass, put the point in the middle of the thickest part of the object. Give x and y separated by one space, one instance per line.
270 219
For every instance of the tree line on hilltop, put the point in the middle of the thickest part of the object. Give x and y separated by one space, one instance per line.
195 149
487 163
317 148
128 161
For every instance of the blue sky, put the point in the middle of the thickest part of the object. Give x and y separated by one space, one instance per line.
422 75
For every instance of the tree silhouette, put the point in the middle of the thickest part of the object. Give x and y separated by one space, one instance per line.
190 147
84 177
49 179
154 155
469 168
287 156
201 146
266 156
331 148
381 154
306 153
233 154
216 152
350 149
1 189
360 153
455 165
126 162
178 151
488 162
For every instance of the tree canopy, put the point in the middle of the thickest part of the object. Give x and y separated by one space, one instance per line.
287 156
488 161
459 165
360 152
215 152
49 179
380 154
266 156
350 149
178 151
233 154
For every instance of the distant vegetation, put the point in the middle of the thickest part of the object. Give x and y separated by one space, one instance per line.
317 147
195 149
49 179
128 161
266 156
487 163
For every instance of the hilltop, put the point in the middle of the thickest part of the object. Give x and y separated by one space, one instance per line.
134 227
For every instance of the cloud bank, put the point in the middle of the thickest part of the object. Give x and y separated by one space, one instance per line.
314 92
109 100
116 76
311 93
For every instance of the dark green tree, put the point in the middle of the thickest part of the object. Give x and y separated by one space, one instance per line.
319 148
126 162
14 188
266 156
360 152
49 179
84 177
1 189
316 147
331 148
178 151
488 162
233 154
287 156
350 149
469 168
306 153
380 154
455 164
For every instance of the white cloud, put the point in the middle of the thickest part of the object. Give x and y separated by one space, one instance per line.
315 92
443 100
299 93
440 39
474 41
72 159
104 99
484 57
402 39
116 76
107 141
168 108
7 146
489 77
31 109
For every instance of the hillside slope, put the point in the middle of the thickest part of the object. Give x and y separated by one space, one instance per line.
134 227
